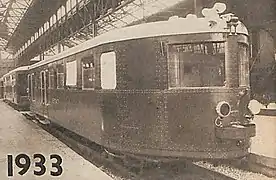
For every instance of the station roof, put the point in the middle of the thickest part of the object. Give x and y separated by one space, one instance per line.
11 12
37 12
34 13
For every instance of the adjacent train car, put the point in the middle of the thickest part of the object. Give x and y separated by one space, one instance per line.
1 88
169 89
15 88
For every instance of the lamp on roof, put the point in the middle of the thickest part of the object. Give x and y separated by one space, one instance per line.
232 24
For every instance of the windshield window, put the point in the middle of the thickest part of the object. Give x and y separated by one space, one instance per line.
197 65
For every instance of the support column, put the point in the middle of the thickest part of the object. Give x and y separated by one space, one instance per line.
263 61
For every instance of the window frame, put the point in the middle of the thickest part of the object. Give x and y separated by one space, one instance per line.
178 79
62 63
115 69
29 85
52 70
32 86
42 86
93 72
71 60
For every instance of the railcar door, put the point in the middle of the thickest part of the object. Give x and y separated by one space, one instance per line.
1 89
44 94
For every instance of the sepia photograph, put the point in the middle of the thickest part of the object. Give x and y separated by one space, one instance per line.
138 89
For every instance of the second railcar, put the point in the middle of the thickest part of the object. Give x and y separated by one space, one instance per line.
15 88
162 90
1 88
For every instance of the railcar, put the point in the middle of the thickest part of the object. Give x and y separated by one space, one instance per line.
1 88
161 90
15 88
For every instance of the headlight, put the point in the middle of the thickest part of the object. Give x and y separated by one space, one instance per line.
254 106
223 109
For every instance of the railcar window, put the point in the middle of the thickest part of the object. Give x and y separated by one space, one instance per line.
197 65
243 55
47 86
108 70
71 73
52 78
60 75
13 80
33 86
88 73
42 89
13 84
29 86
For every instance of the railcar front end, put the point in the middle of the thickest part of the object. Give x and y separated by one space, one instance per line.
208 97
199 106
200 109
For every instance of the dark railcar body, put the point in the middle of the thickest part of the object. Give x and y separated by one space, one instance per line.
151 95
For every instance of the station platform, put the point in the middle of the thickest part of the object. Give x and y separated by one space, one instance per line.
270 110
263 147
21 136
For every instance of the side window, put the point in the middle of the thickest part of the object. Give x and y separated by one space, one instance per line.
52 77
71 73
29 86
60 75
42 86
88 73
13 84
108 70
32 86
13 80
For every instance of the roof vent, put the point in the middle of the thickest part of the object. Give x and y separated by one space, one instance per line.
191 16
214 12
172 18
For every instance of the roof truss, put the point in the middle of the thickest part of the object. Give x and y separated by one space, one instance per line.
11 12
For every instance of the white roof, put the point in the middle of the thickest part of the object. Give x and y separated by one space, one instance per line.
174 26
22 68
